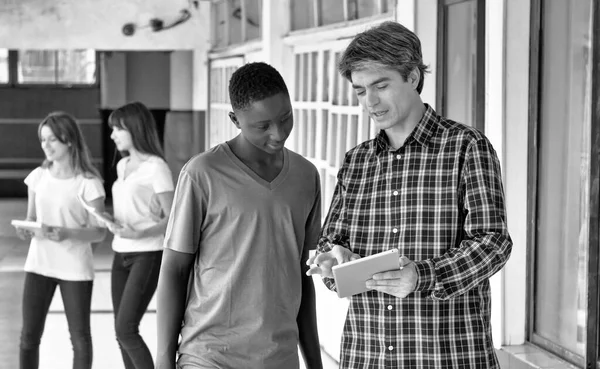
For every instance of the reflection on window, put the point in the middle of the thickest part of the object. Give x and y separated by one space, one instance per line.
3 65
235 21
463 62
561 257
65 67
461 58
304 14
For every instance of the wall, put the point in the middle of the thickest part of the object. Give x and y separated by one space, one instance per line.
21 110
148 79
97 24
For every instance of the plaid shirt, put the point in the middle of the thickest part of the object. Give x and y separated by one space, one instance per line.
439 200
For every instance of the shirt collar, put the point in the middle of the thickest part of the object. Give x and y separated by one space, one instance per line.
422 133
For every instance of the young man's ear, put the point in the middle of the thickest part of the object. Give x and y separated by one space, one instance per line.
414 77
234 119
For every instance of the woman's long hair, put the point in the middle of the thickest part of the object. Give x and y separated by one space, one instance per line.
66 130
137 119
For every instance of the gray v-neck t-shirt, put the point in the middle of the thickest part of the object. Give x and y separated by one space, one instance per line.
248 236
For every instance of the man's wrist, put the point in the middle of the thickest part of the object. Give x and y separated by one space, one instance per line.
324 247
425 275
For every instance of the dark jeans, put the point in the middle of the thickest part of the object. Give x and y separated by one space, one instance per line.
77 300
134 280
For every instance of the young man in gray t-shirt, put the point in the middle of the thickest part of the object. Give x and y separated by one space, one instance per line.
245 214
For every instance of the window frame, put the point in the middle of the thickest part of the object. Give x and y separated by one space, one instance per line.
479 103
591 359
13 78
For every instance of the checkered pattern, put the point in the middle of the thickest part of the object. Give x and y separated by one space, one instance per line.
439 199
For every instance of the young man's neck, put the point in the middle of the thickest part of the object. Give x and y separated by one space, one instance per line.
245 151
397 134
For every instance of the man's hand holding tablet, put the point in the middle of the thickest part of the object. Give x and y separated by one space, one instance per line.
385 272
323 262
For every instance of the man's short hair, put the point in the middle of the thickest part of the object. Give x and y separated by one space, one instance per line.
254 82
389 44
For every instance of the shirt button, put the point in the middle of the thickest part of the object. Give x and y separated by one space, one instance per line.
398 156
395 193
389 307
395 230
390 348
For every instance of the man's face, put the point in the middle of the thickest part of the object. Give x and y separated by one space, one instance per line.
266 124
385 95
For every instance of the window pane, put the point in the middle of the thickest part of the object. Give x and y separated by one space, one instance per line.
36 66
219 22
331 11
365 8
563 179
253 19
235 23
76 67
302 14
3 65
461 59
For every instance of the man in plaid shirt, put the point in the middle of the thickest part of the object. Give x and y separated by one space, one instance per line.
430 187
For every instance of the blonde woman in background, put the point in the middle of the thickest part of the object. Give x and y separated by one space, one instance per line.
61 254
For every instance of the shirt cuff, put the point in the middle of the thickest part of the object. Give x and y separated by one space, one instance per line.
425 275
330 283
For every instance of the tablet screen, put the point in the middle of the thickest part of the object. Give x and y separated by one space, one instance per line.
351 277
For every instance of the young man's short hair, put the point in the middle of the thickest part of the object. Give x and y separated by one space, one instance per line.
391 45
254 82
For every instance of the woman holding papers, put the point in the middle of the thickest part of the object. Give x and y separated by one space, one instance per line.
60 253
142 198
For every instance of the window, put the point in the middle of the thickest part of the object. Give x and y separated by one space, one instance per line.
221 128
316 13
235 22
3 66
62 67
461 51
328 122
564 231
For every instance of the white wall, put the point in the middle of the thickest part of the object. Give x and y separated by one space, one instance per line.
515 170
182 81
200 80
113 81
426 28
97 24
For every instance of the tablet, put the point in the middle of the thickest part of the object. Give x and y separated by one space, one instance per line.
103 217
34 227
351 277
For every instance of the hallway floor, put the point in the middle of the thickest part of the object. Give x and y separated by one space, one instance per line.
55 350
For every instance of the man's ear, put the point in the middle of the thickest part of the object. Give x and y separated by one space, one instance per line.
414 77
234 119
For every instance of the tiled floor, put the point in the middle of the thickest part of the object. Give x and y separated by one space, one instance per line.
55 350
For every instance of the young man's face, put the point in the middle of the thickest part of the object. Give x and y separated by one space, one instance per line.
267 123
385 95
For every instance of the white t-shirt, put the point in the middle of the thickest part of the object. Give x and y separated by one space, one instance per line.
56 204
135 202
